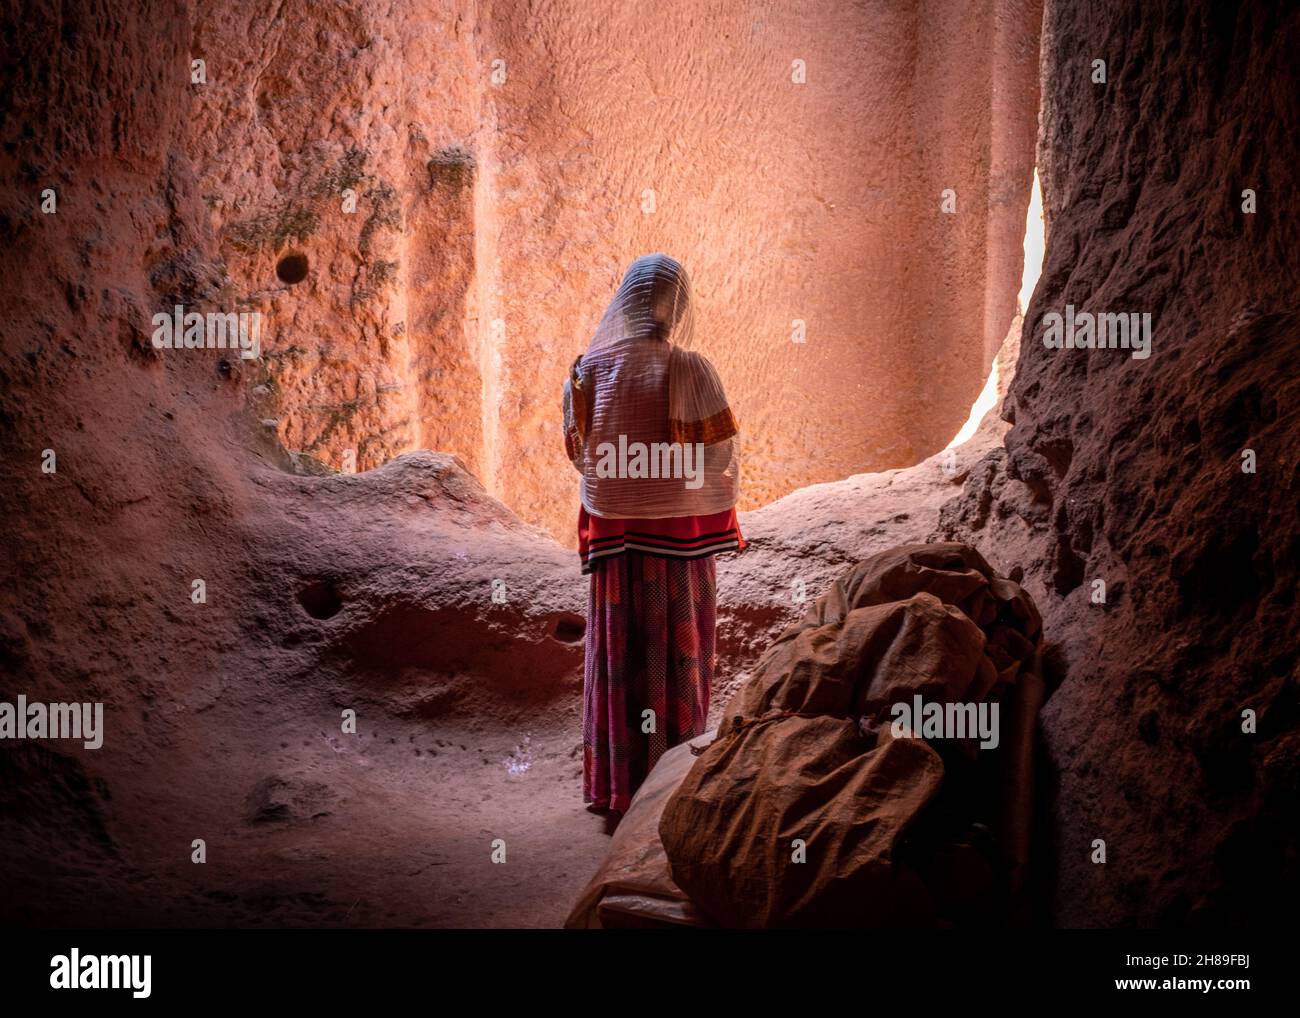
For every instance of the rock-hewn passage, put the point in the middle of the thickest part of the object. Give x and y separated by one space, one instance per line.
432 206
339 689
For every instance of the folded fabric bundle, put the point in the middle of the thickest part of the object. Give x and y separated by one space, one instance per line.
823 801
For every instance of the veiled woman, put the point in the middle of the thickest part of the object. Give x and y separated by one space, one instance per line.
648 426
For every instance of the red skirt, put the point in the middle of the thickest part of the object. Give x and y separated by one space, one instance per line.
650 643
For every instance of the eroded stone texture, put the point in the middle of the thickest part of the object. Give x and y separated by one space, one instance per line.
342 133
502 160
1129 471
374 592
816 201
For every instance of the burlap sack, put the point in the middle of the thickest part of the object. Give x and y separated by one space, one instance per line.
794 814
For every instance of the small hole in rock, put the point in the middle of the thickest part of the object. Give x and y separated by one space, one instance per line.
568 629
320 599
292 268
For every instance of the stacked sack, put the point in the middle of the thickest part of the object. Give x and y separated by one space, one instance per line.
795 814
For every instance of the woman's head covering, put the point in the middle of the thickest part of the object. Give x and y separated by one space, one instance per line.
640 383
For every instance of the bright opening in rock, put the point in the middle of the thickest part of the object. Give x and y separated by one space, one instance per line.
1034 247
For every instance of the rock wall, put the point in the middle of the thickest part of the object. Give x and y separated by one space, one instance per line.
131 473
323 593
343 134
504 165
1135 473
320 594
818 201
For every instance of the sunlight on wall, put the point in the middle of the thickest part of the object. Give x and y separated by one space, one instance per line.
1034 245
983 404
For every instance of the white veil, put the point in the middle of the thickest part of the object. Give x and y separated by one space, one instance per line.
641 386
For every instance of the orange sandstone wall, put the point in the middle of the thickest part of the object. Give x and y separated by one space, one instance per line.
817 202
507 161
339 132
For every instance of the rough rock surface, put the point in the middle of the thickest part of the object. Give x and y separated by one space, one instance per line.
498 159
223 718
374 592
342 135
1130 471
370 593
818 201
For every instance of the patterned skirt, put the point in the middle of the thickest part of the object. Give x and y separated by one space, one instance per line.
650 643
